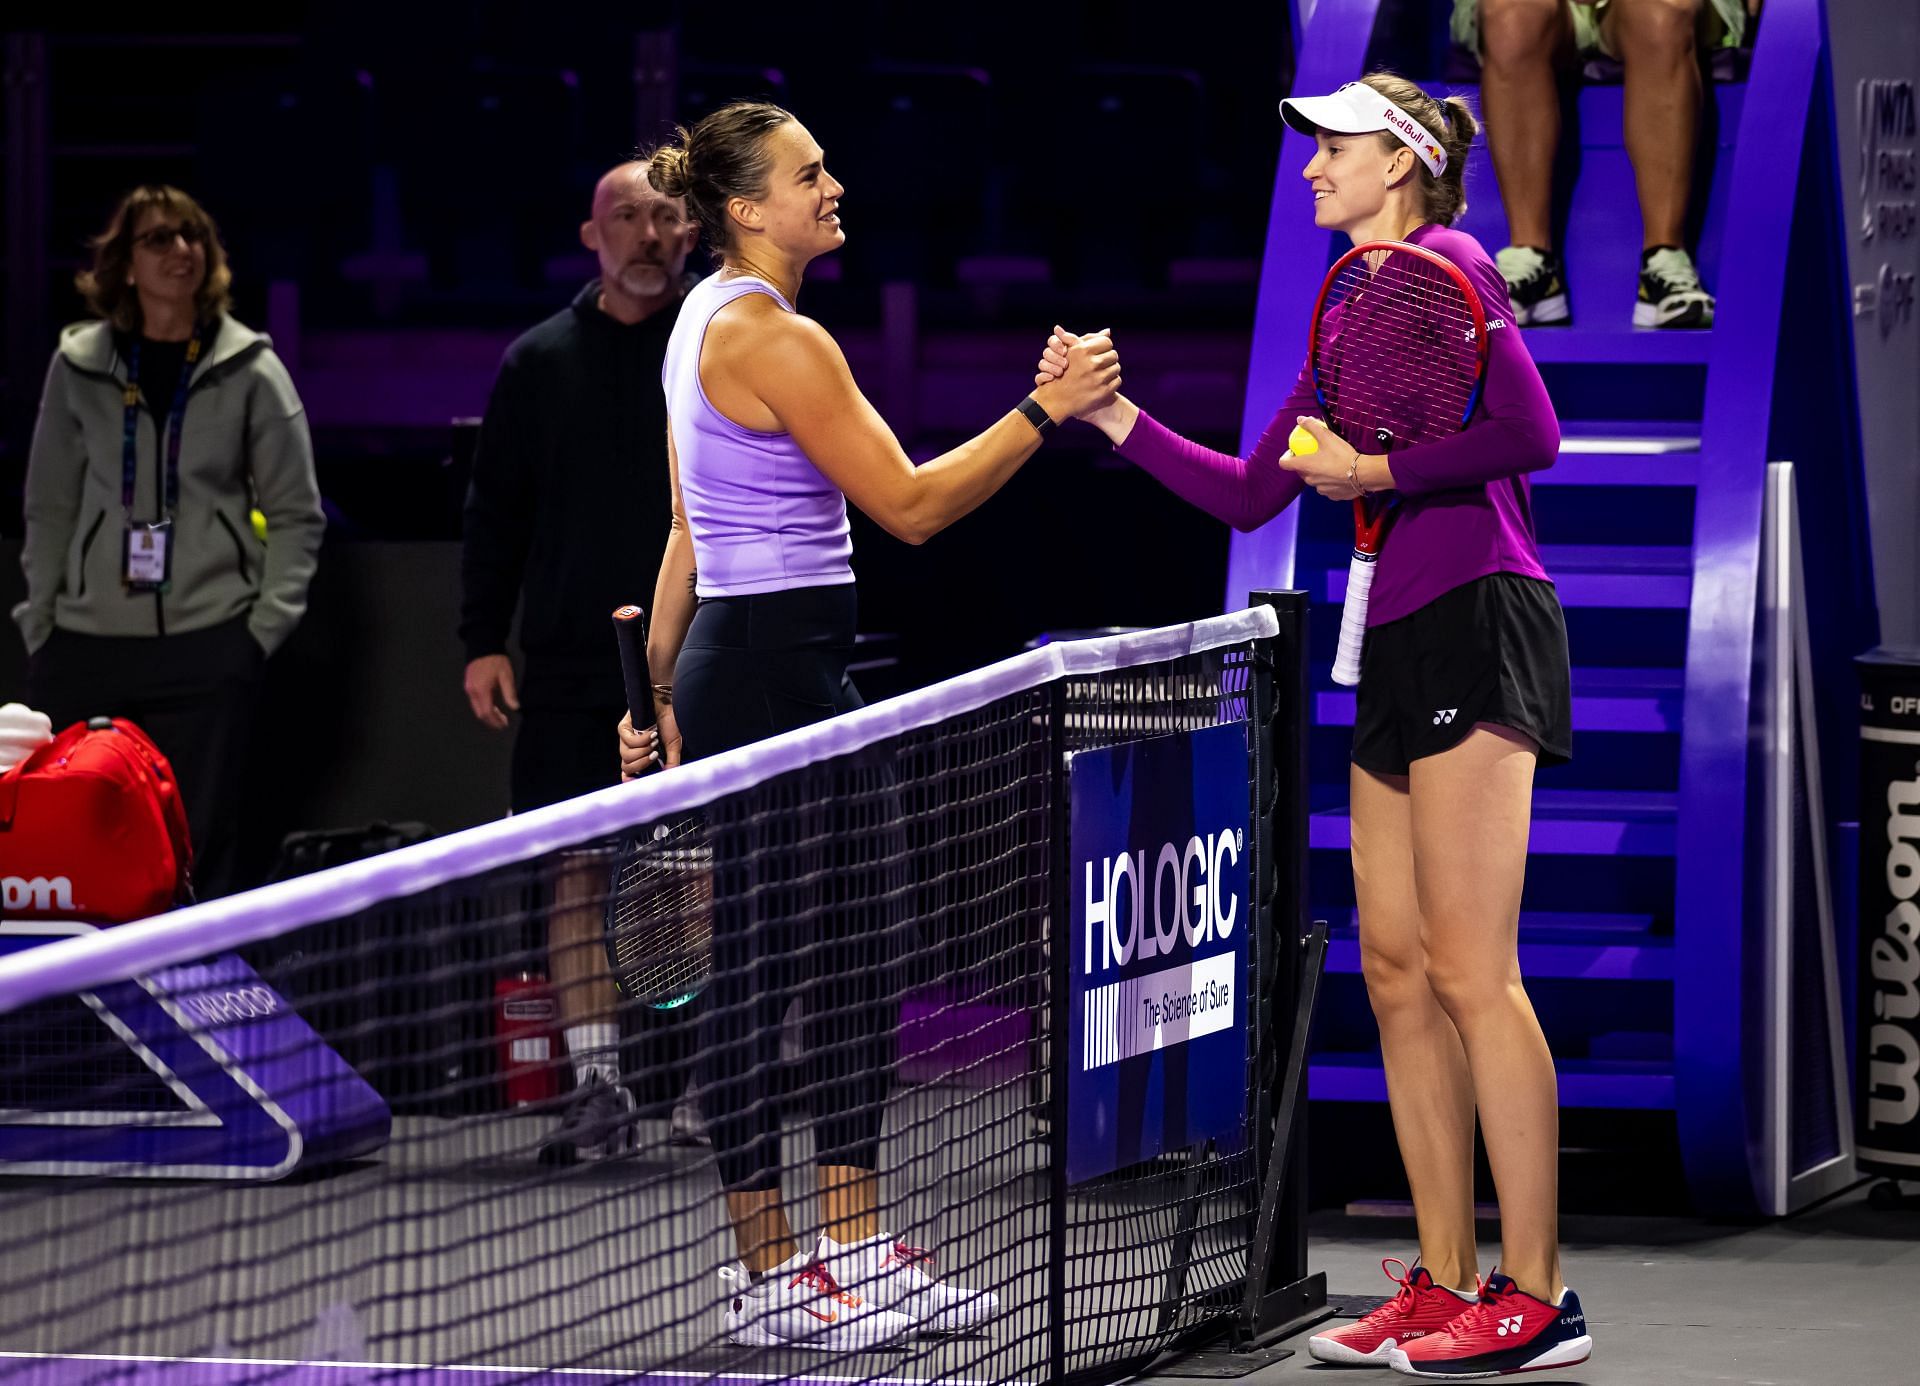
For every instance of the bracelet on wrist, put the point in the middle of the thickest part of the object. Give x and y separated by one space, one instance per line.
1353 476
1035 413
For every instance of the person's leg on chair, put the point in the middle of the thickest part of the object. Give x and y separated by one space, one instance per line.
1657 44
1525 47
1661 99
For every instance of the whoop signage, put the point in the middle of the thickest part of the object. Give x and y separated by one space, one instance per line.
197 1072
1157 1016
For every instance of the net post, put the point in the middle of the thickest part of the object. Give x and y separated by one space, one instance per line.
1278 1289
1059 954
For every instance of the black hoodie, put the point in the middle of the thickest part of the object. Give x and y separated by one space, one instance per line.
570 502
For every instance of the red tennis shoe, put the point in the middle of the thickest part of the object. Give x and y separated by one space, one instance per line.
1507 1331
1420 1308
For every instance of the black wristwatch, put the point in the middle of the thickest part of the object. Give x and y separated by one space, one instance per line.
1041 420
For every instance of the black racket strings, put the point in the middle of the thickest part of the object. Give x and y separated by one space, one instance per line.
660 914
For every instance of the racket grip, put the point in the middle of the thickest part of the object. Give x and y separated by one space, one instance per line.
630 634
1353 620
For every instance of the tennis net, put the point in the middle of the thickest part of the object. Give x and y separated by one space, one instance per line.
982 995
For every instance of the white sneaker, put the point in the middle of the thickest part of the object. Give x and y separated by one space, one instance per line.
799 1305
686 1125
898 1276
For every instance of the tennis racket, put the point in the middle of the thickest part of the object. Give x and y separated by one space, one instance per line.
660 902
1398 352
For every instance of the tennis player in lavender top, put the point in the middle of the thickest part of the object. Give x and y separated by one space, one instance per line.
753 627
1464 691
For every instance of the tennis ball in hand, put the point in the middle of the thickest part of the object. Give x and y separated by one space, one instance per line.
1300 442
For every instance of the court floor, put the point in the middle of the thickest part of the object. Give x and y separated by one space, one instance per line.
1825 1297
454 1247
244 1288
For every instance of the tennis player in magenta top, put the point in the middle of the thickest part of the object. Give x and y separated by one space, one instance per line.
753 628
1464 690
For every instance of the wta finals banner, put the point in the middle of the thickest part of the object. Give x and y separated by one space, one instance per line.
1157 1019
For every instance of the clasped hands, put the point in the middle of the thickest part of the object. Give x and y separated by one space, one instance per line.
1086 379
1332 467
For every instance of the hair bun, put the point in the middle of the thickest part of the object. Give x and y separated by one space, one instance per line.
667 169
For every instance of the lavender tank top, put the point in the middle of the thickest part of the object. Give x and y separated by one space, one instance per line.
761 516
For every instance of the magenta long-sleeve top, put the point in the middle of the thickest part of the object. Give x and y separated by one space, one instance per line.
1466 508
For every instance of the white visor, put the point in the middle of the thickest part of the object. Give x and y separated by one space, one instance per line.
1357 109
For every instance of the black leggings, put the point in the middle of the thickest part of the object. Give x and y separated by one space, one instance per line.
807 880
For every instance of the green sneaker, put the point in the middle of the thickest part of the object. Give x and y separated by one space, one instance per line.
1671 294
1536 286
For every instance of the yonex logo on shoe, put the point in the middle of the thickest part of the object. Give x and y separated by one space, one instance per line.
1444 716
1510 1326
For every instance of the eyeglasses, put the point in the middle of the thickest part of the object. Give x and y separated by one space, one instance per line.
159 239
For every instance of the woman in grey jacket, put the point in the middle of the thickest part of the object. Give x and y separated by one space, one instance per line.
153 592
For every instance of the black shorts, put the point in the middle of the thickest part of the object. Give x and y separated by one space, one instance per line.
1491 650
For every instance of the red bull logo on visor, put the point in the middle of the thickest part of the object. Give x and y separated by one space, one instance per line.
1416 137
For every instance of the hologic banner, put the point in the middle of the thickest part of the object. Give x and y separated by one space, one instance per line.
1156 1005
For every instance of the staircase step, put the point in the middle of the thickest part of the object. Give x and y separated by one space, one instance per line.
1566 822
1612 575
1618 1084
1628 559
1623 345
1604 699
1596 947
1623 459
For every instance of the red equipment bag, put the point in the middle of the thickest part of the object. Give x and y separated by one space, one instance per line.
92 827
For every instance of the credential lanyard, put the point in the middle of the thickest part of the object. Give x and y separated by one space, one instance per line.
176 415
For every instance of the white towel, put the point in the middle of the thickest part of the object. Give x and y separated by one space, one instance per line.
22 732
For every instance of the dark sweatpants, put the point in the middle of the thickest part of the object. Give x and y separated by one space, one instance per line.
195 695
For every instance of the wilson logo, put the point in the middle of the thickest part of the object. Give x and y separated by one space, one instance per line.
1893 959
40 893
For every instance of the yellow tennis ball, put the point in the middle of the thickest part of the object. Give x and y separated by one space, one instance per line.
259 522
1300 442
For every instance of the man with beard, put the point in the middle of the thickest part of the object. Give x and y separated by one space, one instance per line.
567 516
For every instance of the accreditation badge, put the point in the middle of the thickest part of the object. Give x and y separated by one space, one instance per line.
149 557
